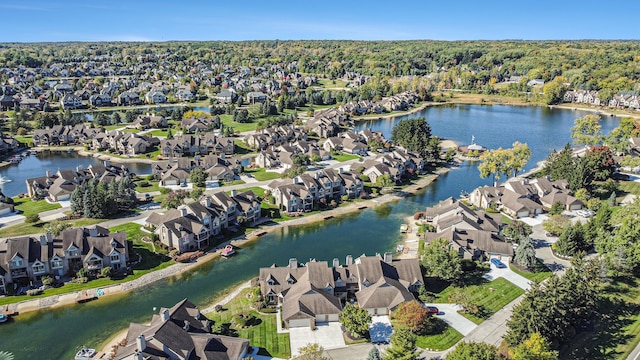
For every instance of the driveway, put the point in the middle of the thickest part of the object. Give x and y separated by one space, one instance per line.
329 335
380 329
534 221
449 313
518 280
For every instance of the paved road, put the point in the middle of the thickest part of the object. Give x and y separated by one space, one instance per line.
493 329
635 354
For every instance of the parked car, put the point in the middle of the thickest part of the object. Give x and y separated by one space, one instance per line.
432 310
499 264
147 197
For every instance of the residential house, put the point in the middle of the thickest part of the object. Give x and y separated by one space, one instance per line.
315 292
28 259
182 333
155 97
70 101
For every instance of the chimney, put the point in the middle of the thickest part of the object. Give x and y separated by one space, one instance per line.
234 193
183 211
317 175
141 343
48 173
107 163
165 315
222 155
293 263
340 170
388 258
79 168
295 180
349 260
207 201
93 232
43 240
138 355
186 326
336 262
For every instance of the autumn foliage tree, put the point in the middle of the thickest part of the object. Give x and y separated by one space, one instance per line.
414 316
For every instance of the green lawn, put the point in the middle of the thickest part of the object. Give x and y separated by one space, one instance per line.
158 132
538 274
38 227
256 190
264 335
439 342
328 83
27 140
345 157
29 207
262 174
153 186
630 187
489 297
616 331
242 147
227 120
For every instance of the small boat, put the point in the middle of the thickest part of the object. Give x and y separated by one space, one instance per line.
228 251
3 318
404 228
399 248
4 179
85 353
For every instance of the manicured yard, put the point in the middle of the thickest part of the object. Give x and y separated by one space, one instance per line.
38 227
153 186
344 157
227 120
489 297
27 140
630 187
328 83
29 207
261 174
540 273
439 342
158 132
256 190
263 335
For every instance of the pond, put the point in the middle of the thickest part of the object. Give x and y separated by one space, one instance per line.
38 164
370 231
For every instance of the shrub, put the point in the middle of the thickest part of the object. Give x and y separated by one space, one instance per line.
144 184
32 218
47 280
34 292
165 190
106 271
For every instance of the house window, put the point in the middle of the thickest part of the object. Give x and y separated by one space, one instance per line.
73 252
17 262
271 282
115 258
38 268
56 263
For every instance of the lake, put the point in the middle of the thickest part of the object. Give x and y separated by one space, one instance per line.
58 332
37 165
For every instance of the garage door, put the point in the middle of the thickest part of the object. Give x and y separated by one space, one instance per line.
334 317
381 311
522 214
170 182
299 323
575 207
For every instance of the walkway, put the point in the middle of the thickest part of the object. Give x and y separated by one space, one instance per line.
449 313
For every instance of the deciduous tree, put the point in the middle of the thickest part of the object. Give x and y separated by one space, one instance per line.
413 316
441 261
355 320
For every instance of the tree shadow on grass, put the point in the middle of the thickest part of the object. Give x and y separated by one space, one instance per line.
149 259
599 338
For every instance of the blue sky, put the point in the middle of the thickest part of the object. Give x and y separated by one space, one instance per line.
164 20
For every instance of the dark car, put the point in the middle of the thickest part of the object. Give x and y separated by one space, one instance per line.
499 264
432 310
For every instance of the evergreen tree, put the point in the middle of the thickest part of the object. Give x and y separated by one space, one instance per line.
403 345
526 254
374 354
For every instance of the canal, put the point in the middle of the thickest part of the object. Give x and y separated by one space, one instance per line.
58 332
